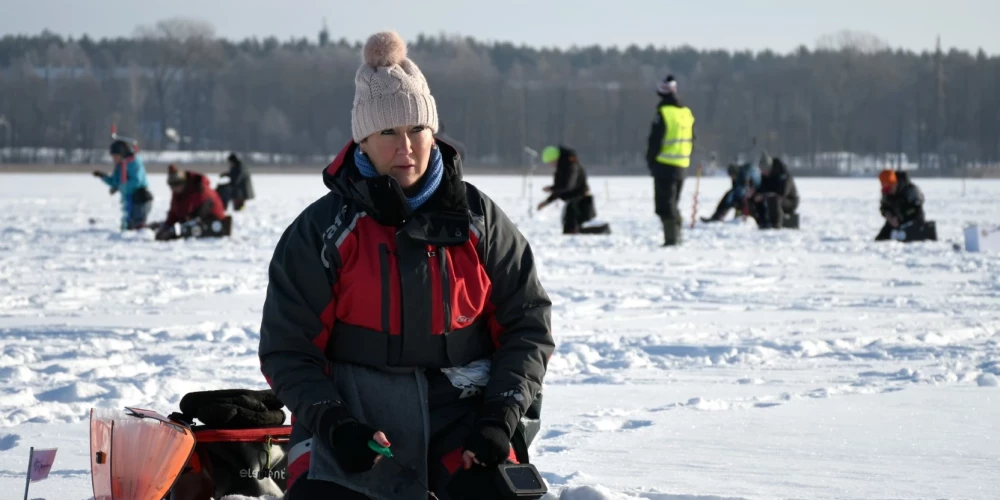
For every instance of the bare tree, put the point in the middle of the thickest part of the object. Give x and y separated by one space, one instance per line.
852 94
861 42
176 47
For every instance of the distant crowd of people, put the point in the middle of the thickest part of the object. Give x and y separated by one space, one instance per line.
196 209
764 190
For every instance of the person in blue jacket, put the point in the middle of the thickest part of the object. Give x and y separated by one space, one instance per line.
129 178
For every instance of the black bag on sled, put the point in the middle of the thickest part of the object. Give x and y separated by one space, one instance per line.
241 449
248 462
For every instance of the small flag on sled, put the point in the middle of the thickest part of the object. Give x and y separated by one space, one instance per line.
39 464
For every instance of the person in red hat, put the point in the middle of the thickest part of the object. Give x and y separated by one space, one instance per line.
903 208
194 205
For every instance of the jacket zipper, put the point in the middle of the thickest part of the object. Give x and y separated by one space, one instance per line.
384 262
445 288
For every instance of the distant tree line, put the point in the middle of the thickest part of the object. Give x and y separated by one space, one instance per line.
176 85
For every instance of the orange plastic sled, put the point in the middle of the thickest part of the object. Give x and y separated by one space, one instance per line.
136 454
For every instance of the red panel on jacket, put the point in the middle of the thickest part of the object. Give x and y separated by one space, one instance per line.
359 284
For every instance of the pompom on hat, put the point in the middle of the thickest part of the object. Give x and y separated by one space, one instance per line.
667 86
389 89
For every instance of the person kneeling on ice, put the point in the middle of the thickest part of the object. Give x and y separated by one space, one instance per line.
570 185
729 199
746 182
776 201
129 179
902 206
195 208
404 315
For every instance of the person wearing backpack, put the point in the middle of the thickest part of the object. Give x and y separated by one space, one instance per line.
128 179
570 185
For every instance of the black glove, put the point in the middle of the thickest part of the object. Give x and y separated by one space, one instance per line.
98 173
490 440
233 408
350 447
237 416
112 190
349 439
490 443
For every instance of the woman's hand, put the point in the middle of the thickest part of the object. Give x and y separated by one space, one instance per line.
381 440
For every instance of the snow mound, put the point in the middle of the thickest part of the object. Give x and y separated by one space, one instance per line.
988 380
77 391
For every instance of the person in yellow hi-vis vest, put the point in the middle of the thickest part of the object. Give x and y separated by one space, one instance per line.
668 155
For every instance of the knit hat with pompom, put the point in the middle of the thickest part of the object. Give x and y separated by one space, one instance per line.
389 89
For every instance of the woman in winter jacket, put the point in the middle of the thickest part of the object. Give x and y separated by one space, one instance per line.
403 308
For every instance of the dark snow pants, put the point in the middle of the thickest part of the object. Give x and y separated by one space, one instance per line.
576 212
667 185
770 213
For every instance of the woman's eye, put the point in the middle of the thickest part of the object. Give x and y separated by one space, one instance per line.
418 128
388 131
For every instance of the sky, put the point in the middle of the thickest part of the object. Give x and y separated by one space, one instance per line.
779 25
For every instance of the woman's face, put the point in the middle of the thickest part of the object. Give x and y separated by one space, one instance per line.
402 153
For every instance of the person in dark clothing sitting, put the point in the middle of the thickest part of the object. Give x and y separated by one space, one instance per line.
570 185
195 208
903 208
240 186
777 199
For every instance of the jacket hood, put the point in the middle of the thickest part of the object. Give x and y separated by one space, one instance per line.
670 99
195 181
778 168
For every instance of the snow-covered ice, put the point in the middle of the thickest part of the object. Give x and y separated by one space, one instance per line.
742 365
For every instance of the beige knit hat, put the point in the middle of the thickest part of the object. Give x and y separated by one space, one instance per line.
389 89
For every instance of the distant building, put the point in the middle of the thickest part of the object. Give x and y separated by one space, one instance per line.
847 163
324 35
